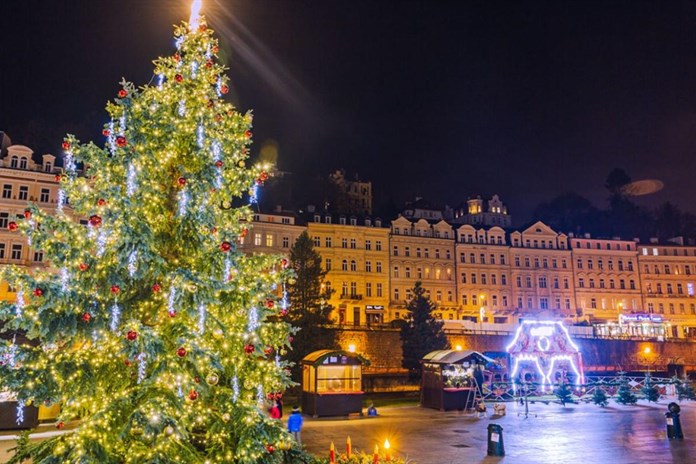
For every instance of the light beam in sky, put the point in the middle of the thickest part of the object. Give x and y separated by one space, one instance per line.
195 14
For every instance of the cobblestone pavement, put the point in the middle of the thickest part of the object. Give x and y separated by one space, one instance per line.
582 433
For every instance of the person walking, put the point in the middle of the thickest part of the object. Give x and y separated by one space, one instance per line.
295 424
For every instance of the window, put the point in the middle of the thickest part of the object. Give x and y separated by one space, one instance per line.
419 272
669 289
353 289
474 300
667 270
344 289
327 242
622 284
23 192
581 282
494 279
269 240
407 251
353 265
462 257
427 253
505 301
7 191
368 266
590 264
565 283
45 195
437 253
396 251
528 281
465 300
257 239
593 303
579 263
601 283
680 289
632 284
368 289
463 278
379 266
22 163
4 220
630 265
545 263
519 302
396 294
353 244
286 242
395 271
449 296
567 303
327 264
651 308
368 245
600 264
492 257
503 279
671 308
518 280
2 251
344 265
592 283
448 255
661 308
502 259
555 282
517 261
344 243
612 283
544 303
542 282
378 245
526 261
564 264
38 256
473 278
16 251
407 271
530 302
483 279
482 258
438 295
621 266
379 290
316 241
13 162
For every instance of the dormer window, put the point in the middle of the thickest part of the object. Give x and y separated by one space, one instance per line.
317 218
14 161
22 163
48 167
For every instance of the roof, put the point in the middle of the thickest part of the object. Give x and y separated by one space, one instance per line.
455 356
317 357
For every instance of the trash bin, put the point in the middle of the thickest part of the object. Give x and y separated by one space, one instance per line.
674 430
495 440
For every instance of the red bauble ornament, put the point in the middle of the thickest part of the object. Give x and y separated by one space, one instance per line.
132 335
172 313
60 425
122 93
12 226
225 246
263 177
197 379
209 64
106 132
218 164
268 350
181 352
178 78
224 89
193 395
247 134
121 141
283 312
127 362
66 146
248 349
181 181
203 27
284 262
216 49
218 117
177 57
83 267
27 214
101 202
38 292
115 289
86 317
290 339
95 220
214 230
244 232
156 288
58 177
270 448
270 304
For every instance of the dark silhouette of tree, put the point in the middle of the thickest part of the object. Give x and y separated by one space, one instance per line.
616 179
569 212
308 308
421 333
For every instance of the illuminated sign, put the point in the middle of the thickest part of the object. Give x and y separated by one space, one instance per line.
374 307
639 318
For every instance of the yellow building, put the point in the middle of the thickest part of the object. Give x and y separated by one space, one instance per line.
668 276
483 274
356 257
23 181
606 277
421 251
541 272
271 233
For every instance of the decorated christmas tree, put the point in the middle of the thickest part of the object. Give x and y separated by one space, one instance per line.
157 337
650 391
563 392
624 395
599 397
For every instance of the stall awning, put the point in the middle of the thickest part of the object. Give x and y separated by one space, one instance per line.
455 357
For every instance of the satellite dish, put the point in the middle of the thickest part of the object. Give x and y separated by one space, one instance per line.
642 187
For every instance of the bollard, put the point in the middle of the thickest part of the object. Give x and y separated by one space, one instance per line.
674 429
495 440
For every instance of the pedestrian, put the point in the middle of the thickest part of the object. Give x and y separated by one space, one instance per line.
295 424
274 411
481 408
371 410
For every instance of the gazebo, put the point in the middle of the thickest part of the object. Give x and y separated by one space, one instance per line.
451 379
332 383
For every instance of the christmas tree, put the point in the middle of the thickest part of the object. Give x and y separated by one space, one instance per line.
421 333
563 392
649 390
151 328
599 397
624 394
684 389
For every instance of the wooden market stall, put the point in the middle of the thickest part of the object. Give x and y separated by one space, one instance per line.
332 383
452 379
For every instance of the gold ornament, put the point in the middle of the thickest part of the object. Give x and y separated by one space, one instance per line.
212 379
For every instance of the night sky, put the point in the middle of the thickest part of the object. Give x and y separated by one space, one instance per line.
441 99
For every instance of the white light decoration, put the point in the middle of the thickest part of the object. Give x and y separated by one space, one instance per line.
170 300
61 201
544 344
115 315
20 411
254 194
64 279
182 108
122 124
179 42
200 136
277 360
285 301
260 397
12 353
253 323
194 69
111 139
19 304
201 318
160 81
31 229
130 180
235 389
101 243
132 260
141 366
69 163
228 269
195 18
183 202
218 88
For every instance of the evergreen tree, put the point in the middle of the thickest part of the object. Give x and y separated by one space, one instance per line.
421 333
624 394
563 393
684 389
649 390
152 328
599 397
308 296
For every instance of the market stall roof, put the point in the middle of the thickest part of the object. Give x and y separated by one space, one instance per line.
455 357
317 357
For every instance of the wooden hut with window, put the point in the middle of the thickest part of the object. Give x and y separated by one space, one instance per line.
452 379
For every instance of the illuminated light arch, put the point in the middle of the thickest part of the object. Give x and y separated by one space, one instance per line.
546 345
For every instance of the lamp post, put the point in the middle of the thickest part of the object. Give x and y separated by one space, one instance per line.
482 311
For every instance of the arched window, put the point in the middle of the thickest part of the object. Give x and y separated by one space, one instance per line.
23 163
13 162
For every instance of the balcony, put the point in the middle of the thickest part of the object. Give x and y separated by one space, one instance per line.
351 296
